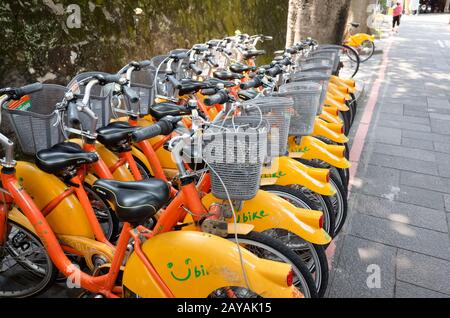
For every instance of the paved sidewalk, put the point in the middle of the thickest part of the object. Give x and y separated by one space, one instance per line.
399 206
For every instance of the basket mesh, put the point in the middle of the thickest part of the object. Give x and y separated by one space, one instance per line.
277 111
99 99
35 127
306 96
332 55
236 153
322 78
142 82
316 66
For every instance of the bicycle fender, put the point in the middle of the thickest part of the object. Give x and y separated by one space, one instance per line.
359 38
322 129
194 264
68 217
342 81
287 171
312 148
331 101
268 211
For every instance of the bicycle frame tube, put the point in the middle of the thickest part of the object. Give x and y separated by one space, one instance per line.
174 213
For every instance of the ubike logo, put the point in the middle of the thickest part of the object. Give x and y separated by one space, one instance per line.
190 272
251 216
299 149
277 175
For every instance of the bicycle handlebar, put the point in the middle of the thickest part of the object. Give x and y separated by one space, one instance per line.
253 83
131 94
220 97
163 127
197 70
176 83
17 93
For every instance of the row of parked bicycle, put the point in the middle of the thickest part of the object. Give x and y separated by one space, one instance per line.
192 174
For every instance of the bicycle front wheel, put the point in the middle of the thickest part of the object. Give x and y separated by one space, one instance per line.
266 247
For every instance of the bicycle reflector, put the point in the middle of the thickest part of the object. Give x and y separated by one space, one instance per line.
321 221
290 277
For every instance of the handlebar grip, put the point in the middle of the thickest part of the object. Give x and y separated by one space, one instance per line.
145 63
220 98
274 71
27 89
286 61
255 82
163 127
108 78
174 81
72 114
146 132
131 94
208 91
212 61
197 70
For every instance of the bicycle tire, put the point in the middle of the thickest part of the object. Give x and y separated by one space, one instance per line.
354 56
283 253
37 289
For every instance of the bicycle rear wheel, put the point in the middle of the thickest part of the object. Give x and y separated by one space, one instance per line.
25 268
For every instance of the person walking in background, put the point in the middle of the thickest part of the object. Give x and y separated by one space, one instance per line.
397 14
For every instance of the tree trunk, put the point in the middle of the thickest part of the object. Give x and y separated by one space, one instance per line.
322 20
447 6
361 11
291 22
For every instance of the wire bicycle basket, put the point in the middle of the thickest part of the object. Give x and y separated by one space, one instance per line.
306 96
322 78
142 82
235 153
277 111
99 99
320 65
34 118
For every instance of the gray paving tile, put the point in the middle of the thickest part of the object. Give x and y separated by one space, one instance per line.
406 152
447 202
417 143
442 147
413 113
440 116
419 180
425 271
444 169
404 125
356 260
390 108
402 118
406 290
440 126
387 135
403 163
421 197
378 181
420 101
415 108
400 212
425 136
438 102
401 235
